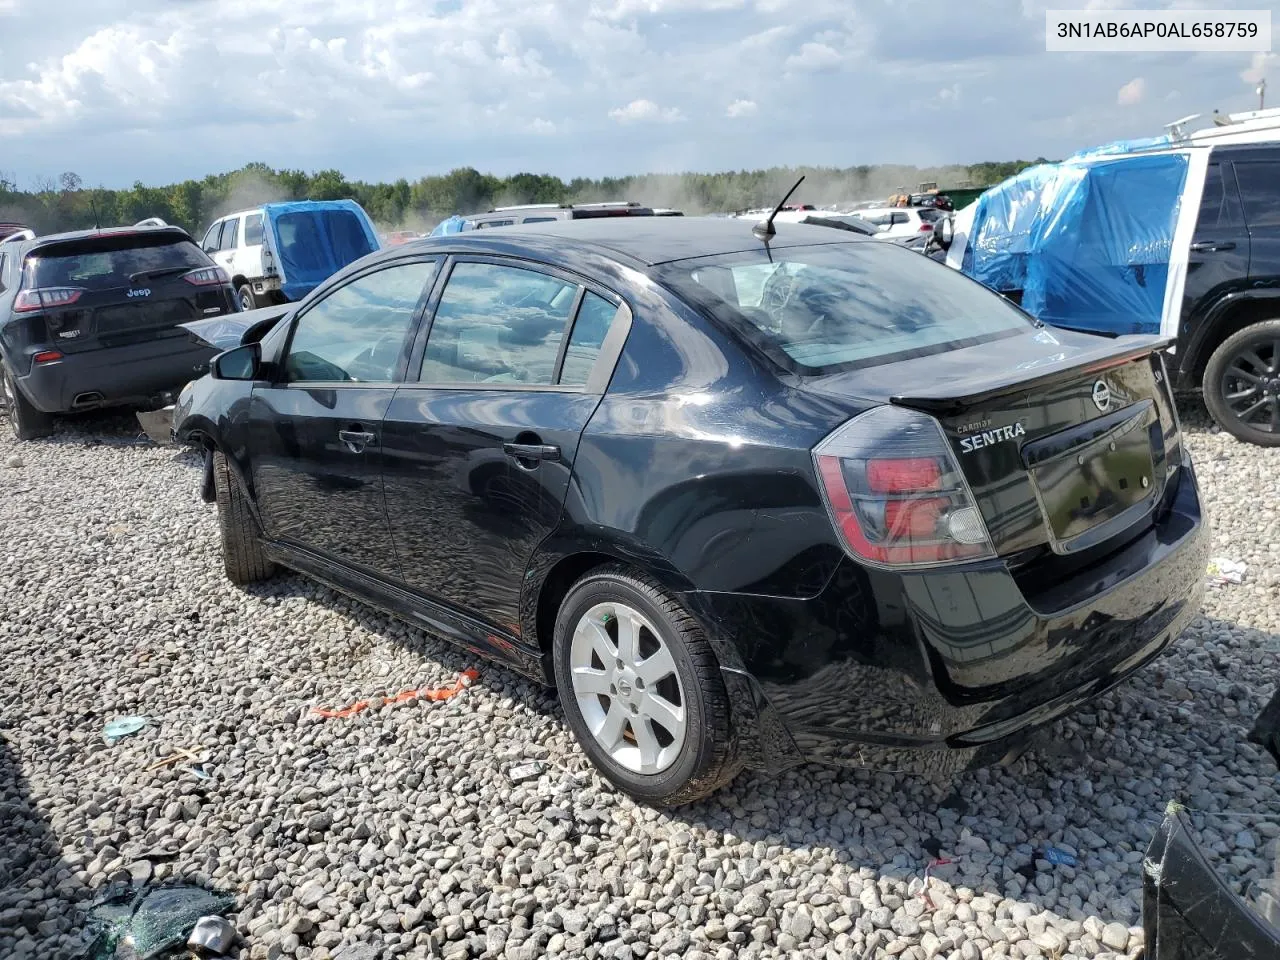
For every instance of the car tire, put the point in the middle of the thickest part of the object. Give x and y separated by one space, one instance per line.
242 555
704 757
247 299
1242 352
26 422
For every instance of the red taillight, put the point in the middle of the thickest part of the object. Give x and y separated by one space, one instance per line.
42 298
926 228
903 476
48 356
206 277
895 492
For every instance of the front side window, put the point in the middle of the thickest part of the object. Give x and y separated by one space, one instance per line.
357 333
848 304
210 241
498 324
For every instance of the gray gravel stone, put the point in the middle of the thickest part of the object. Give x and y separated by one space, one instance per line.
395 833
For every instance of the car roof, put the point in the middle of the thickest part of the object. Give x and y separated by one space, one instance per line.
647 241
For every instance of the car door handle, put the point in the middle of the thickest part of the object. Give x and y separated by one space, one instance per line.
356 440
1211 246
531 451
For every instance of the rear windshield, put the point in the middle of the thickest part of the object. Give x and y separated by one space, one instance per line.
930 215
100 263
834 306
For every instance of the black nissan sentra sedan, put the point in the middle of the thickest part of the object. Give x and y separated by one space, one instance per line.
744 501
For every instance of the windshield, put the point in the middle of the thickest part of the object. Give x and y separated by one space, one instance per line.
845 304
101 263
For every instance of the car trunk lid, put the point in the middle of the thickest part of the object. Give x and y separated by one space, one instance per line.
1066 441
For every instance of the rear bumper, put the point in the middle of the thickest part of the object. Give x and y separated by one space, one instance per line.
944 670
135 375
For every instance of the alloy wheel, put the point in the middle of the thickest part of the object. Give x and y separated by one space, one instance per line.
627 688
1251 386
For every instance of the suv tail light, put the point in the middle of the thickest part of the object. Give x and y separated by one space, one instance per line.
895 493
42 298
206 277
926 228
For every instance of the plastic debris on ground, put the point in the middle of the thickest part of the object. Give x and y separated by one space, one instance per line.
116 730
465 679
1059 858
146 922
1223 570
212 935
520 772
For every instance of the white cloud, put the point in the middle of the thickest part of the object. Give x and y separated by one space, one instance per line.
1132 93
644 111
814 57
158 90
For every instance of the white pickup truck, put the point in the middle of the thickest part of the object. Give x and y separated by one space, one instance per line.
280 252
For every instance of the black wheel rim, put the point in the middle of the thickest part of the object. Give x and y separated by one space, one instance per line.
1251 385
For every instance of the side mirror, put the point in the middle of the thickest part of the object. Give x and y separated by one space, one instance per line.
944 231
242 363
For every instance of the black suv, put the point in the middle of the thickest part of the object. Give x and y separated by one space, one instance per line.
1229 334
92 319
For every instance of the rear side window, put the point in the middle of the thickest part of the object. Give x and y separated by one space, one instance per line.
486 224
595 316
498 324
540 219
1260 191
1219 209
253 230
844 305
104 263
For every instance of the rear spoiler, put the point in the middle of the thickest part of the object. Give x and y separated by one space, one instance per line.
947 395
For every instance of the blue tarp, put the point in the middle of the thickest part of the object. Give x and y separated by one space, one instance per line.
454 224
314 239
1087 241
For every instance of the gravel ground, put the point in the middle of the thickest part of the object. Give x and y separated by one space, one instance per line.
396 832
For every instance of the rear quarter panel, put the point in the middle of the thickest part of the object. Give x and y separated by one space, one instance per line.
697 465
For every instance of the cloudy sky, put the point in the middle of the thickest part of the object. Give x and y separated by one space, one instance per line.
161 90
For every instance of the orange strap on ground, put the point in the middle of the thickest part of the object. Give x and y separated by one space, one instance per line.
465 679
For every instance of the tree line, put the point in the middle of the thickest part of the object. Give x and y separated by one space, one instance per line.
65 203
